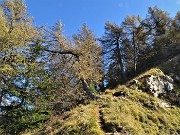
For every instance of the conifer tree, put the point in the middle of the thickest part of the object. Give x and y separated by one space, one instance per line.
114 54
135 41
21 73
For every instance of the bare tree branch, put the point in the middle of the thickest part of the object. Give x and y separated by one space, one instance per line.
63 52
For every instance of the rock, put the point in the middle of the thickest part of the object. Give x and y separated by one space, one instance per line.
120 93
174 97
157 85
164 104
175 77
154 82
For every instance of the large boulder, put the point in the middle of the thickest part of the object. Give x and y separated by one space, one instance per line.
156 83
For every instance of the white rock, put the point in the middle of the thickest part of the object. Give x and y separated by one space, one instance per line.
159 84
163 104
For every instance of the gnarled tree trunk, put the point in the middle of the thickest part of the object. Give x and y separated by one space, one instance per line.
86 88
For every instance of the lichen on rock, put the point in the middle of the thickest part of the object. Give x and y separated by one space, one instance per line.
154 82
157 85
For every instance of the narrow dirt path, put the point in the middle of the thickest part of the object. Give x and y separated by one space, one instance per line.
103 124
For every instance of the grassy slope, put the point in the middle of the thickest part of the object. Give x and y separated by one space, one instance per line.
132 113
82 120
139 113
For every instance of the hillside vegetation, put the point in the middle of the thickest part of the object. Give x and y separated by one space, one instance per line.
125 82
121 111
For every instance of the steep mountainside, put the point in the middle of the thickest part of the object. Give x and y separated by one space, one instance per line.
127 109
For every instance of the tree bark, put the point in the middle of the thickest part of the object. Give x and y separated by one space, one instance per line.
135 54
88 91
120 61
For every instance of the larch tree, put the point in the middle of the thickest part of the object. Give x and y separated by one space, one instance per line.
61 58
114 54
82 58
20 69
89 64
16 35
176 28
135 41
157 23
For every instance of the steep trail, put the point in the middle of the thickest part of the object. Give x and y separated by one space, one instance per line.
107 128
103 124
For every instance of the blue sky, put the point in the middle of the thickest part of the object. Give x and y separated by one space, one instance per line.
95 13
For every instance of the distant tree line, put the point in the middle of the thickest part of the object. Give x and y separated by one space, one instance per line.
137 44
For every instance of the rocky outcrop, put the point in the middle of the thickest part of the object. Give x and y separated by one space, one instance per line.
156 83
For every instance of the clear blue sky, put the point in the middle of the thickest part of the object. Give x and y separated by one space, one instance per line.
93 12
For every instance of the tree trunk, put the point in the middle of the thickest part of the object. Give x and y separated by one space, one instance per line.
135 55
120 60
88 91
